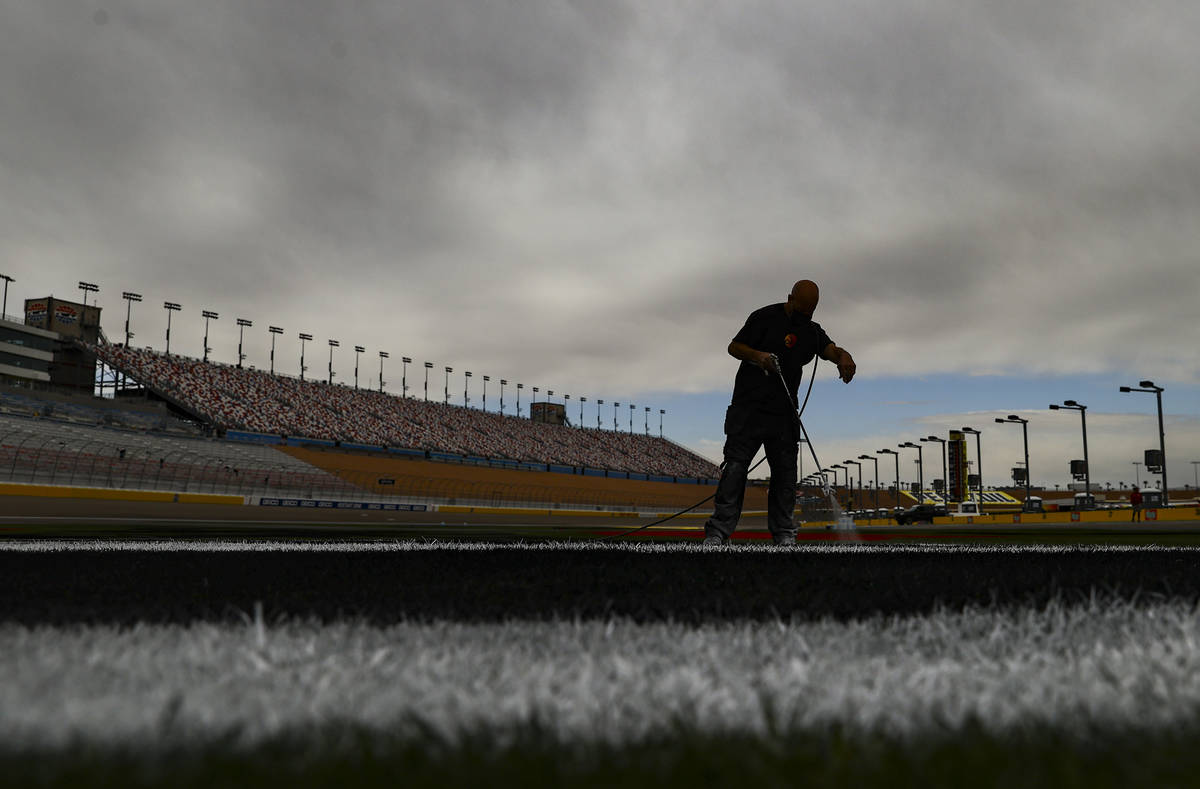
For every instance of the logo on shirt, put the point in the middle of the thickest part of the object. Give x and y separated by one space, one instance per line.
789 340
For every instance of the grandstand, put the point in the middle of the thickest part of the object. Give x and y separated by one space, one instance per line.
234 399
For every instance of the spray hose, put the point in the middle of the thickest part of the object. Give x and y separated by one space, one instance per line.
797 413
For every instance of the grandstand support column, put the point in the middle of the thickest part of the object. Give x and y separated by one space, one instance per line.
303 339
274 330
170 307
332 344
358 349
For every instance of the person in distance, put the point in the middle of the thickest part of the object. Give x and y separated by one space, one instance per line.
761 413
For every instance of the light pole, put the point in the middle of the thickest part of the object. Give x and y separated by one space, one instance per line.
303 339
274 330
4 309
1087 471
978 461
875 460
466 387
209 315
661 411
88 287
242 324
486 378
945 473
582 400
598 404
170 307
358 349
631 407
897 456
646 425
428 367
384 355
446 391
532 401
1024 423
1148 386
520 386
920 469
858 467
503 383
405 361
616 405
332 344
836 466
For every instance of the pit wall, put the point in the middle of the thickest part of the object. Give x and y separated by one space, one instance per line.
111 494
1114 517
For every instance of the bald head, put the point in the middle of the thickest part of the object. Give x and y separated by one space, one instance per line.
804 297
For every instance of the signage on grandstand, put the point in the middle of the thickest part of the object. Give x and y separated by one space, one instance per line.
65 317
549 413
65 314
35 313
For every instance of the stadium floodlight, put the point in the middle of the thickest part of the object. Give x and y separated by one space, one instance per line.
1148 386
405 361
503 383
519 388
661 413
466 387
4 309
598 404
88 287
895 455
486 378
920 469
1071 405
616 405
875 460
428 367
209 315
358 349
242 324
647 420
332 344
448 371
631 408
384 355
858 466
274 331
582 400
1024 423
945 468
170 307
303 339
978 461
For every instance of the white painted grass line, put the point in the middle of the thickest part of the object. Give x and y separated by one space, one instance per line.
1074 667
580 546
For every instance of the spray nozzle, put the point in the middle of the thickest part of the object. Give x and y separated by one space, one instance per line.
774 365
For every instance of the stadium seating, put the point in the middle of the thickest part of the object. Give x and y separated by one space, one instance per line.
252 400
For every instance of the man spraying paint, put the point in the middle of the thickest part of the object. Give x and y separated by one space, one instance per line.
762 413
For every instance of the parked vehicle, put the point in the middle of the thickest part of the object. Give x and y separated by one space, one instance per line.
921 513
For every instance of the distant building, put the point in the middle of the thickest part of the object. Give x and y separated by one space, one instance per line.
41 353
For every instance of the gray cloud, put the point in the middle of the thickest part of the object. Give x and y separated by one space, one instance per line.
599 193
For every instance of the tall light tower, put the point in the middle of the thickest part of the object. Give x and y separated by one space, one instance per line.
4 309
88 287
920 470
486 378
405 361
582 400
874 460
209 315
647 421
1071 405
598 404
332 344
170 307
503 383
520 386
857 466
1148 386
242 324
978 461
945 468
615 407
1024 423
661 412
631 407
303 339
358 349
896 455
447 388
466 388
428 367
275 331
384 355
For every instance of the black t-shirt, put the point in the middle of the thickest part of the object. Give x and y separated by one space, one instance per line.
794 342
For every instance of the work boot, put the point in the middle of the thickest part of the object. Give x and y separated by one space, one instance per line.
784 540
714 540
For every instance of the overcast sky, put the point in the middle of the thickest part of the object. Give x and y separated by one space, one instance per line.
591 196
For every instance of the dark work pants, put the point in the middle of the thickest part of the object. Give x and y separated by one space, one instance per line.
745 432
